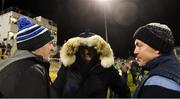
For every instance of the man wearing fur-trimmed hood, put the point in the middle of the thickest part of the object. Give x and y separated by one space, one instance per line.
87 69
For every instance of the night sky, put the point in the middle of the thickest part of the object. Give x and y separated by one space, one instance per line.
123 18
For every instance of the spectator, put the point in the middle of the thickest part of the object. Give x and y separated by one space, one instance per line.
88 69
26 74
10 44
124 68
154 44
134 71
3 50
8 49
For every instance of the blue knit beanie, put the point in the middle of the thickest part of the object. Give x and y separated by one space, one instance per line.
31 36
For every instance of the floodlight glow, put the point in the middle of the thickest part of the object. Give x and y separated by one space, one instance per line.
104 4
103 1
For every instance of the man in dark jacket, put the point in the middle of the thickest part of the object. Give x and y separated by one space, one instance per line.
87 69
26 74
154 45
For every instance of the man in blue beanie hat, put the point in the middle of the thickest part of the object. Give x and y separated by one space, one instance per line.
26 74
154 45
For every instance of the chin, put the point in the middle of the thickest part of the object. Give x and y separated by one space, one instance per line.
47 58
141 63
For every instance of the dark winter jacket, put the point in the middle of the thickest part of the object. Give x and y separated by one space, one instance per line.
71 82
78 79
163 79
25 75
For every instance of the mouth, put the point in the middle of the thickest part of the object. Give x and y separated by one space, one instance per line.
138 59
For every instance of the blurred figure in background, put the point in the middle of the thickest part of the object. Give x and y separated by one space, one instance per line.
154 44
124 68
3 50
134 71
88 69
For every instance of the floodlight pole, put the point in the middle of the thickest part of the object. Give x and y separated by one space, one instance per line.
2 6
105 23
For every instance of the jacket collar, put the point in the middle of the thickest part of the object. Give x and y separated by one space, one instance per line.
23 54
159 60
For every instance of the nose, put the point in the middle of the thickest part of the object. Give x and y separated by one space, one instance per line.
52 47
86 51
136 50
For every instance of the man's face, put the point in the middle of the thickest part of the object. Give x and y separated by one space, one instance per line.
45 50
144 52
87 53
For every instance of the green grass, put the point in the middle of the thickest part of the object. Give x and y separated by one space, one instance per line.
54 69
131 85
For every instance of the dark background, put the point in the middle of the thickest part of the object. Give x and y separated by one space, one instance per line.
123 18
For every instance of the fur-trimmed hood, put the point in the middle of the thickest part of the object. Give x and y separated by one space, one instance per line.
69 49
